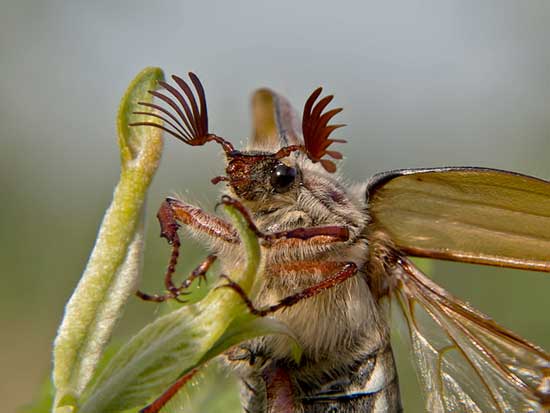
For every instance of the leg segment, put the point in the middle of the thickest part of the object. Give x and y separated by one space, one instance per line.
175 292
198 220
171 213
335 233
347 271
159 403
169 230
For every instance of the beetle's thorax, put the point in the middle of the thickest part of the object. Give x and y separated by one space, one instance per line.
315 199
339 327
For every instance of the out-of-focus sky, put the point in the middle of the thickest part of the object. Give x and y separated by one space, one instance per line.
422 83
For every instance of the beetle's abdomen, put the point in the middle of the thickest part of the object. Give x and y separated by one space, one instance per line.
370 384
367 385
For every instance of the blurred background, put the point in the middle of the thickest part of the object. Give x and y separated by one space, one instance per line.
423 83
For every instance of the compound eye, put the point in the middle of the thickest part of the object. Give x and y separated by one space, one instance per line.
282 177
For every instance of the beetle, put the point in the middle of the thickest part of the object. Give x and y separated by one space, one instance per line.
336 255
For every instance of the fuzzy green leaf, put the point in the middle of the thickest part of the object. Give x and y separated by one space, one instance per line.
114 265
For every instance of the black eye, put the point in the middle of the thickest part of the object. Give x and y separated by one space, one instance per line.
282 177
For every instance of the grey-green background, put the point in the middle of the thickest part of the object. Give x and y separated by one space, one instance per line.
423 83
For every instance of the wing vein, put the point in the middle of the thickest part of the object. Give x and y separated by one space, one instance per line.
428 307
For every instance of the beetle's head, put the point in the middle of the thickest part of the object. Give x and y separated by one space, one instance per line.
270 166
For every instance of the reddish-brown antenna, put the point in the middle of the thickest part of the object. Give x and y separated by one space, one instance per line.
316 130
191 123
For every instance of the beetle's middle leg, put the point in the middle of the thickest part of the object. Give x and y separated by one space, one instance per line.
347 270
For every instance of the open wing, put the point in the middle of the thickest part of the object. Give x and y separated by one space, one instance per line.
466 362
476 215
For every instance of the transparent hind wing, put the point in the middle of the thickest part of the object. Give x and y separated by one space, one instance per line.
465 361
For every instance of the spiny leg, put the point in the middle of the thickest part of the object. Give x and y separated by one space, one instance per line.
173 212
200 221
169 230
347 271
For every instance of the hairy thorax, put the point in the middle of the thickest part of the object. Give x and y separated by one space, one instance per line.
332 325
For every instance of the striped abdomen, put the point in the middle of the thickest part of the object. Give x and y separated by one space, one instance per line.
369 384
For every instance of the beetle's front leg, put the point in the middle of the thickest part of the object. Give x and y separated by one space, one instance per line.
175 211
171 214
199 272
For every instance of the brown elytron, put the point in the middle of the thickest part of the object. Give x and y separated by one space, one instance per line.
335 255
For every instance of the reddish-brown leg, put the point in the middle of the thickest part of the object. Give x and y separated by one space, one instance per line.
199 272
173 212
169 230
159 403
335 232
170 214
348 270
198 220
